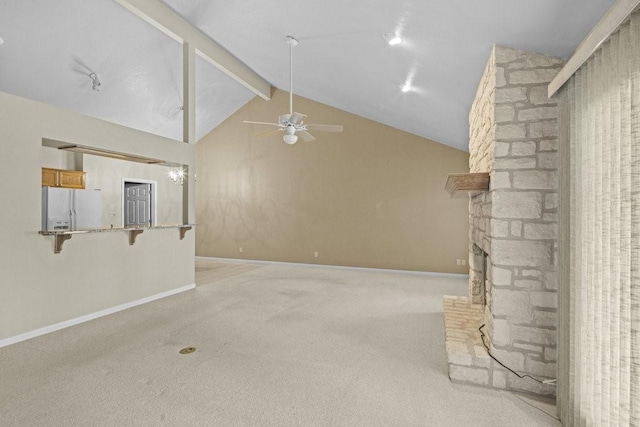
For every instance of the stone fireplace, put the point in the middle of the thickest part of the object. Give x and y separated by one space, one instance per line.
512 231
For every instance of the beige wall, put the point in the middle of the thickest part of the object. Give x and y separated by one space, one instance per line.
372 196
94 271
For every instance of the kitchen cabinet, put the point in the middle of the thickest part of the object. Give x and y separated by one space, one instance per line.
63 178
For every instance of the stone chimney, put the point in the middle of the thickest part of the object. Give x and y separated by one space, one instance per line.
512 230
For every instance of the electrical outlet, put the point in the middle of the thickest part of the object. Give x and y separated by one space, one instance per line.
240 250
464 262
458 262
315 254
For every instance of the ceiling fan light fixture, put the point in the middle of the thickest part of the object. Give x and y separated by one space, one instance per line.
405 88
290 139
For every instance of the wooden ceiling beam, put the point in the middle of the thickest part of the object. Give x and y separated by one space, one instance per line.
169 22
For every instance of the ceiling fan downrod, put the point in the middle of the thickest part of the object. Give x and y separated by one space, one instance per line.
292 43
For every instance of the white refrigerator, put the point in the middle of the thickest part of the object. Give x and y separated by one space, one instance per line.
69 209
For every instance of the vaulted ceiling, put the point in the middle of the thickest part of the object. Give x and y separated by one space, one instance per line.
50 48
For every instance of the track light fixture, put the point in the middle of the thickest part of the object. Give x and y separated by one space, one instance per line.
95 81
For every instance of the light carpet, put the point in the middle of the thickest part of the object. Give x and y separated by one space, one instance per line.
275 345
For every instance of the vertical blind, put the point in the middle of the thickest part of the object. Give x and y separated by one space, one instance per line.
599 295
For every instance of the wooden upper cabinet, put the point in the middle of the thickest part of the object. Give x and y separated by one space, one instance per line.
63 178
49 177
72 179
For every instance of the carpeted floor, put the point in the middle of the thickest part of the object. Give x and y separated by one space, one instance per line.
275 345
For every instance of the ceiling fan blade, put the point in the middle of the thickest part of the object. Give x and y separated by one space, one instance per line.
267 133
296 118
305 136
260 123
325 128
283 118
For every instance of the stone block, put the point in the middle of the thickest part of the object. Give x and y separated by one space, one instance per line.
543 129
499 228
550 216
530 386
540 231
501 149
522 149
504 113
500 180
501 332
526 253
500 276
549 145
500 77
482 358
535 60
510 131
458 358
541 369
514 164
535 180
521 204
528 284
486 210
537 113
531 273
550 354
521 59
510 94
548 160
545 299
534 335
455 346
469 374
516 228
499 379
503 54
511 359
540 75
551 201
546 318
528 347
539 95
551 279
510 303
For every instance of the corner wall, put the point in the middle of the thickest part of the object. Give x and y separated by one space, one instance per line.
372 196
94 272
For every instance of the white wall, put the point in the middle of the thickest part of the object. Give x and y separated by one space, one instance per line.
106 174
94 271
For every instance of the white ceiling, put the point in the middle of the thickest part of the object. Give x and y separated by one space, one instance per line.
51 47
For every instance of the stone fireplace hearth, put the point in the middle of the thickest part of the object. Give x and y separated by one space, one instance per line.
512 231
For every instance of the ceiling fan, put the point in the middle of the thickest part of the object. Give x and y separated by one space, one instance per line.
292 123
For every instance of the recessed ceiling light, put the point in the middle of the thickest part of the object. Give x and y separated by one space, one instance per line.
1 40
405 87
392 39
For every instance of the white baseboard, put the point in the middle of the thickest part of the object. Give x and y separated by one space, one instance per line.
338 267
72 322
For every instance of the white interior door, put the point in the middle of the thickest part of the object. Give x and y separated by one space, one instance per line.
137 204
